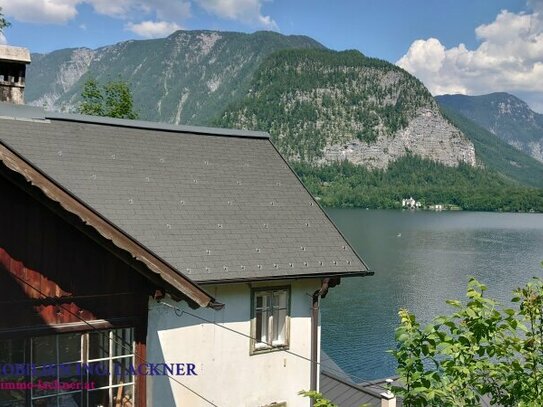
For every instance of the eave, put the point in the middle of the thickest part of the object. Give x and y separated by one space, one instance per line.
175 283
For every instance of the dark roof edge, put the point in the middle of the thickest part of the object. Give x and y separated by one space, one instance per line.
21 112
359 387
53 191
363 273
322 209
141 124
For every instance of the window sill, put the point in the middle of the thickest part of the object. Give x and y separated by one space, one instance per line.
268 349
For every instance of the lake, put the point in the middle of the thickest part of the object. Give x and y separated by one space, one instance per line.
420 259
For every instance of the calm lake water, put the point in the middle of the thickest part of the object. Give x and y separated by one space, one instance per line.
420 260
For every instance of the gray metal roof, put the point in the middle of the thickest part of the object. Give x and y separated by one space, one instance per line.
346 394
339 388
220 207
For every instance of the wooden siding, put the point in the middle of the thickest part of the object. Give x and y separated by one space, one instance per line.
53 277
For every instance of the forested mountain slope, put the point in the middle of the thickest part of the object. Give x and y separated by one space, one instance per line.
323 106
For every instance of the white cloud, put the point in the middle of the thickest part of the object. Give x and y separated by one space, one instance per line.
169 10
40 11
146 18
61 11
164 10
3 39
112 8
153 29
246 11
509 58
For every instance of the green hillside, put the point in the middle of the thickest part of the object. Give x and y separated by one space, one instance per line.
347 185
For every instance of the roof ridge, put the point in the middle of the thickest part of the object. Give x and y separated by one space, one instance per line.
29 112
148 125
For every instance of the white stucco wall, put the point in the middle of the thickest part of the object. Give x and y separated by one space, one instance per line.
227 374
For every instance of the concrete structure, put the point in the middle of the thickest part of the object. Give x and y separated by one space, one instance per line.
13 61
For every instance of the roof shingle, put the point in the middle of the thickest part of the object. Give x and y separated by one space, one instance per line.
216 207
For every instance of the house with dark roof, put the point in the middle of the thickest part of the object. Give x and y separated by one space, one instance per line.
145 264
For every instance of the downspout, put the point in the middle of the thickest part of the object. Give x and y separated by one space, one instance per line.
320 293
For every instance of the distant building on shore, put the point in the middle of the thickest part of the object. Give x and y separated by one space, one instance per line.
410 203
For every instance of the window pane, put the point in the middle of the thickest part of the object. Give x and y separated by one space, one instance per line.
12 351
123 340
99 374
44 350
279 322
43 378
99 398
98 345
69 373
69 348
121 371
262 301
125 395
11 400
279 317
260 327
46 402
280 299
262 316
70 400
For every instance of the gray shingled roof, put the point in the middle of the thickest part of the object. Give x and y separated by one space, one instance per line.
218 206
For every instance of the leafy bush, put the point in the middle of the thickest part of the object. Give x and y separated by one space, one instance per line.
481 349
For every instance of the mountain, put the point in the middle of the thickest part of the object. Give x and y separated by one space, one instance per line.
188 77
496 154
503 115
359 131
323 106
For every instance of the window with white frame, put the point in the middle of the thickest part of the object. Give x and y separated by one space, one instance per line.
270 321
94 365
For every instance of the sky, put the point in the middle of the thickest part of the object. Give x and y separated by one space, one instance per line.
453 46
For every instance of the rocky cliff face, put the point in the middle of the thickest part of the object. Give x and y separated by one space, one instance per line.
323 106
51 76
188 77
427 135
505 116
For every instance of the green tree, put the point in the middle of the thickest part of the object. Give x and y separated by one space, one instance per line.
93 99
3 22
320 401
114 99
318 398
481 349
